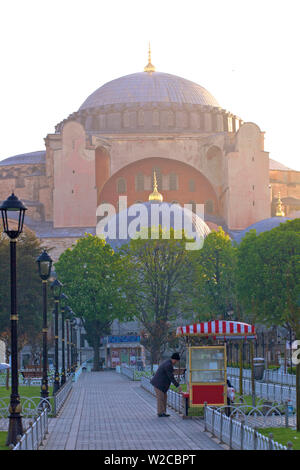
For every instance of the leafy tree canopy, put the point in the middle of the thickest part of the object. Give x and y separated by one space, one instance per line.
93 275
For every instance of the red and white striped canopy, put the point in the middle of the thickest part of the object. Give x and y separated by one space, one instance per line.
218 328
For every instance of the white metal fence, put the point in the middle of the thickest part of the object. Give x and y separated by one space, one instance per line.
268 391
35 434
273 376
236 434
279 378
61 395
174 399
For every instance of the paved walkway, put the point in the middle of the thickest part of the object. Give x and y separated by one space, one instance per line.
108 411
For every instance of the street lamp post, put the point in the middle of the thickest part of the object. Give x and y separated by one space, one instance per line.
56 287
13 204
68 345
63 299
75 353
69 314
44 266
72 345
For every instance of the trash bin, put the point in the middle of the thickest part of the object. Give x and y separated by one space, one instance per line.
259 367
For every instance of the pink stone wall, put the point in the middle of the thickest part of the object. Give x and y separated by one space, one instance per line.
74 193
248 195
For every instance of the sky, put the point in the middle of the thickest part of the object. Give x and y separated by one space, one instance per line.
54 54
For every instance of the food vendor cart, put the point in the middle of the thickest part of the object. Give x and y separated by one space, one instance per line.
206 364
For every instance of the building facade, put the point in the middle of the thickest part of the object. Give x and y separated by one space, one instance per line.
130 128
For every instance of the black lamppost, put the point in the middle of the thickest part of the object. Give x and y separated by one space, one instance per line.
75 354
63 299
72 343
13 204
44 266
56 287
80 326
69 314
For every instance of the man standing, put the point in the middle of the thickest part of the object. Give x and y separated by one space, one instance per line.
162 381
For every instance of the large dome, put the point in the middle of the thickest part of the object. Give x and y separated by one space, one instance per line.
155 87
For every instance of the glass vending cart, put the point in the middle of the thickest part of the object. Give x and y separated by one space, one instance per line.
207 379
207 375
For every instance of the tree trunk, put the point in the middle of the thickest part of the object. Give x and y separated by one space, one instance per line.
241 368
96 367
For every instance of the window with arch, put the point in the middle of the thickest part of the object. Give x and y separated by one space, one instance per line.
139 182
121 186
192 186
173 182
209 206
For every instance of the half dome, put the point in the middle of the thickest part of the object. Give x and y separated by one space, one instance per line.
262 226
154 87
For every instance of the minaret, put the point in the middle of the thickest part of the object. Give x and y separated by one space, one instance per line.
149 67
155 196
279 207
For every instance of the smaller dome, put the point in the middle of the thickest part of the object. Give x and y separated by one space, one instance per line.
32 158
262 226
127 224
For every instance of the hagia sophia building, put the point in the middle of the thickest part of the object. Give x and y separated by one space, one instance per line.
134 127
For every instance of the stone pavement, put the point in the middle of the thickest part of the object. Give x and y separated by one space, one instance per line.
105 410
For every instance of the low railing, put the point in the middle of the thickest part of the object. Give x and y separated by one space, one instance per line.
279 378
134 374
174 399
77 373
236 434
273 376
128 372
268 391
35 434
62 394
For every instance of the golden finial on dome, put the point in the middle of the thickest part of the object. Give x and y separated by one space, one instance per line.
155 195
279 207
149 67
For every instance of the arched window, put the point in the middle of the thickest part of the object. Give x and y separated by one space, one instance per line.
192 186
173 182
139 182
209 206
121 186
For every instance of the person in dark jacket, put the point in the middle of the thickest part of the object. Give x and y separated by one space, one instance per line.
161 382
228 408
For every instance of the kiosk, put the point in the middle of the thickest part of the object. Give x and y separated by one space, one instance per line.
206 365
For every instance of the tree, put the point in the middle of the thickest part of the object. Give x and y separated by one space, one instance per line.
29 292
269 280
92 275
158 272
214 284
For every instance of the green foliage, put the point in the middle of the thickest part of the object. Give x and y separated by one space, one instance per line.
214 290
29 289
159 271
93 275
268 276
